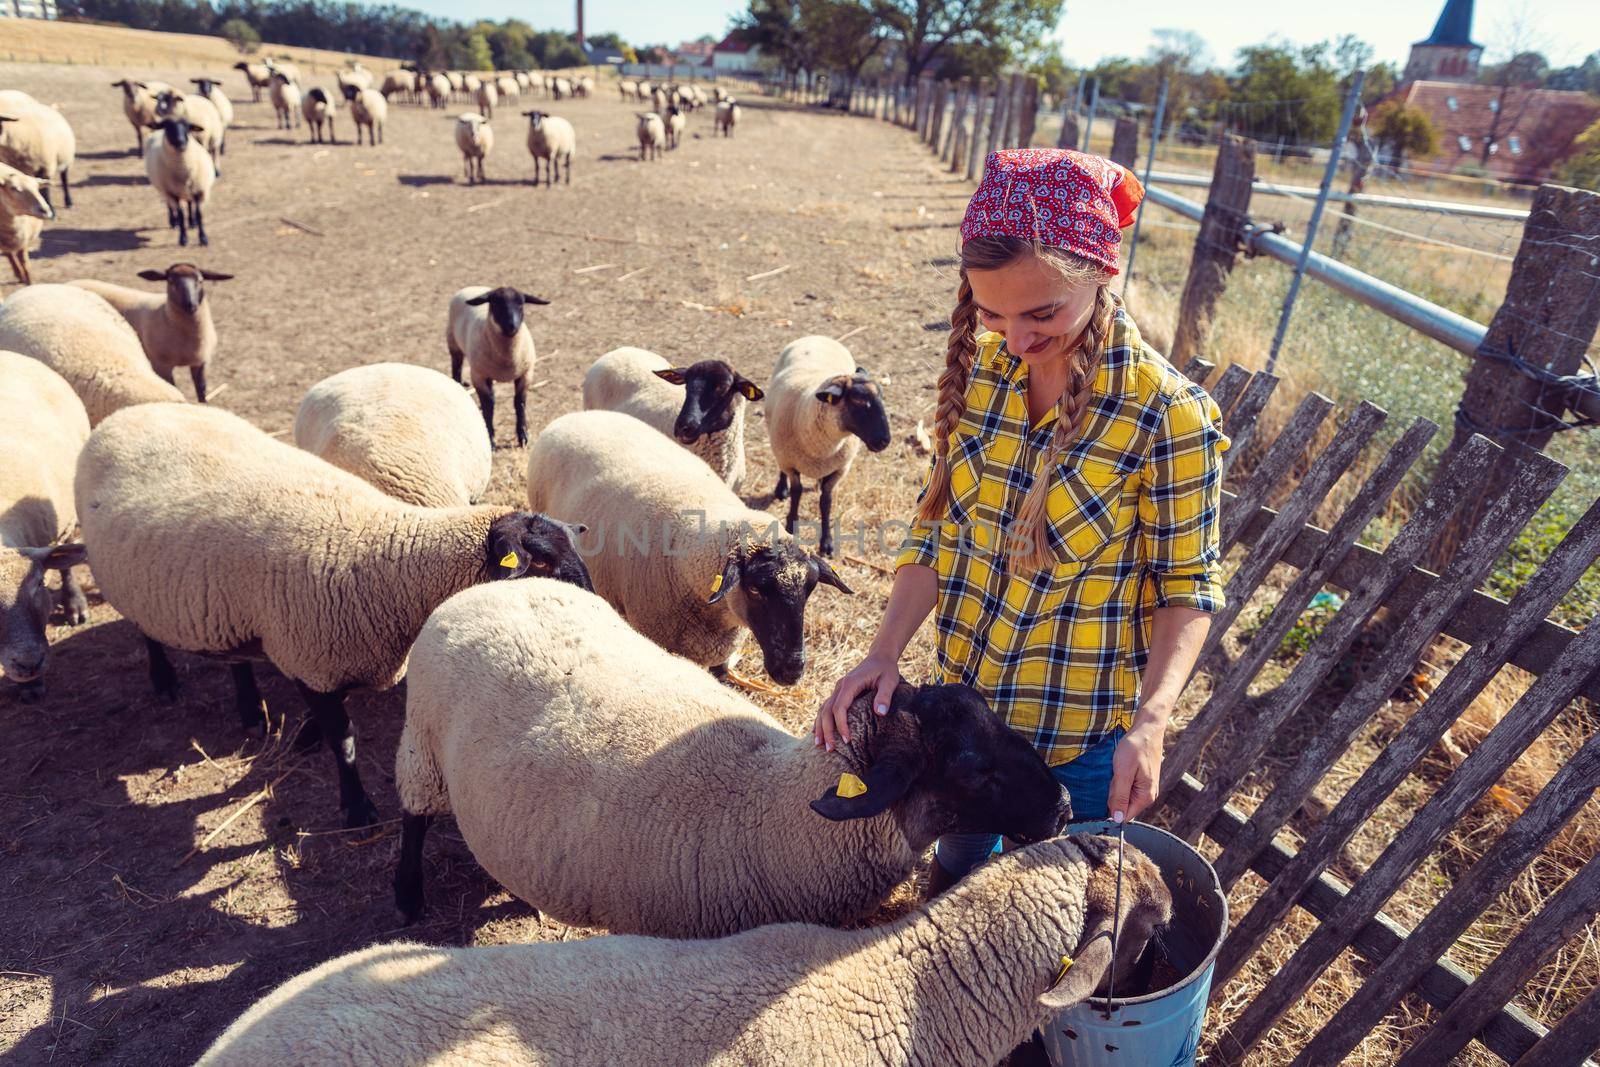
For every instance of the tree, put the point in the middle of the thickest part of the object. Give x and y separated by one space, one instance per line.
1583 78
927 28
1405 131
476 54
1053 72
843 34
1524 66
1281 92
241 35
1582 168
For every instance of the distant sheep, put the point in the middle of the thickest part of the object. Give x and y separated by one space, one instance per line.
727 116
438 90
139 104
475 138
37 140
205 121
288 69
487 96
674 124
398 82
552 139
486 333
652 135
211 89
182 171
174 326
285 100
23 213
367 108
319 109
259 75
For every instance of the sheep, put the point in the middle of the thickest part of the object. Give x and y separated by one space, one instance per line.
723 566
23 213
960 980
139 104
583 87
82 338
486 332
294 560
42 428
701 406
651 135
455 80
507 87
285 100
408 430
674 125
552 139
367 108
357 75
438 90
319 109
628 89
174 326
203 117
561 87
584 730
475 138
524 82
401 82
487 97
821 408
211 89
658 99
181 170
727 116
258 75
718 93
37 140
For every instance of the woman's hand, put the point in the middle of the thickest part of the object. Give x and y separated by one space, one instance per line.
877 672
1136 770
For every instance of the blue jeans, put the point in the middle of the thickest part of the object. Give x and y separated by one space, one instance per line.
1088 782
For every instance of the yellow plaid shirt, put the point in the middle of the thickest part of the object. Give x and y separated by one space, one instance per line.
1132 515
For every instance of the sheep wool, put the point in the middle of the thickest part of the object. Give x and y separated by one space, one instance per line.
182 172
552 139
23 212
652 135
82 338
805 432
37 140
408 430
368 108
139 105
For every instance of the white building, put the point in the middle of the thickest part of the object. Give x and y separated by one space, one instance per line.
28 9
732 55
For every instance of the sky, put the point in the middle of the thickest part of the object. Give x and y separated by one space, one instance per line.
1565 30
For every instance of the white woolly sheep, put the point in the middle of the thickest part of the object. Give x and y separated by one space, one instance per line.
398 82
507 87
628 89
23 213
727 116
722 566
357 75
204 121
174 326
258 75
584 87
438 90
367 108
674 123
211 89
288 69
42 428
581 729
821 407
294 560
487 97
524 81
471 83
285 100
475 138
561 87
658 99
652 135
701 406
319 109
408 430
82 338
487 333
959 981
182 172
139 104
718 93
37 140
552 139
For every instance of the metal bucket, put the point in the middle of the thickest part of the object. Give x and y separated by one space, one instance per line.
1160 1027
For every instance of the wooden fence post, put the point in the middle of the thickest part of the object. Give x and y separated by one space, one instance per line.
1542 330
925 88
997 123
1216 249
1028 111
975 139
1125 141
941 97
1070 133
954 150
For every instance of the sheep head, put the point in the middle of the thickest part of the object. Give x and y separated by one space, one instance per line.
522 544
185 285
25 604
505 307
767 585
1146 904
711 390
858 400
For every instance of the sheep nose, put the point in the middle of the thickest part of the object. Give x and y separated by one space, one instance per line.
26 669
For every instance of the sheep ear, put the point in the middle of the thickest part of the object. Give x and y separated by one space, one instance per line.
826 575
481 298
722 583
830 393
675 375
58 557
748 389
215 276
529 298
1083 976
153 275
886 781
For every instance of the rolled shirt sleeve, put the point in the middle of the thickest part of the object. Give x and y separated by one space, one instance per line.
1180 492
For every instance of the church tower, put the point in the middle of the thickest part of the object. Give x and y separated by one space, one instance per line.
1449 54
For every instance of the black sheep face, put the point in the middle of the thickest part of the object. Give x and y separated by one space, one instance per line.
774 582
505 307
185 284
861 411
711 390
523 544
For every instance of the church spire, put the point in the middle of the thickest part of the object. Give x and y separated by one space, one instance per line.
1454 26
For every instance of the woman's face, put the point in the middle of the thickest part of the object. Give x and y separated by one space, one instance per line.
1041 313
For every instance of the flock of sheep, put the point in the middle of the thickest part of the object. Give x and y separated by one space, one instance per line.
566 667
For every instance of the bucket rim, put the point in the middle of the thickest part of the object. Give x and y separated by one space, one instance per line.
1103 828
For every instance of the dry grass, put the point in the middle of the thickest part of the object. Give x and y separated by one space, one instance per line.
85 44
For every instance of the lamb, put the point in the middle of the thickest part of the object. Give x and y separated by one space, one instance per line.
438 90
552 139
259 75
508 88
181 170
367 108
959 981
319 110
651 135
582 729
82 338
475 138
204 120
174 326
706 416
674 125
486 331
23 213
37 140
628 89
583 87
721 566
294 561
408 430
139 104
285 100
821 408
727 116
211 89
487 98
42 428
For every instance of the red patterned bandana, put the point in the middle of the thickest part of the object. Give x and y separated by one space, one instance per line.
1058 197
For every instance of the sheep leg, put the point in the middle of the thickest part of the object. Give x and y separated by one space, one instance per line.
826 506
27 271
163 679
66 187
328 710
519 404
247 700
457 357
16 267
199 222
567 170
486 402
197 375
183 226
165 374
138 139
794 501
73 603
408 895
781 490
380 133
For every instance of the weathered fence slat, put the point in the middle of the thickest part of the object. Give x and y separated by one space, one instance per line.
997 122
1558 802
1125 141
941 99
1526 613
1284 452
1575 1036
1560 920
1387 570
1216 248
1508 512
1199 370
975 142
1553 690
1229 386
1240 423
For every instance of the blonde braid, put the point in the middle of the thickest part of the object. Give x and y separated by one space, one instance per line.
1028 545
952 403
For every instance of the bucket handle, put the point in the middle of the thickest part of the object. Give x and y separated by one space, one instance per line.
1116 918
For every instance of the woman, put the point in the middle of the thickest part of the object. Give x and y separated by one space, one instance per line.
1067 535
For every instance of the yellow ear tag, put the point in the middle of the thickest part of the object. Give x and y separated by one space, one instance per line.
509 561
1066 965
850 786
716 584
